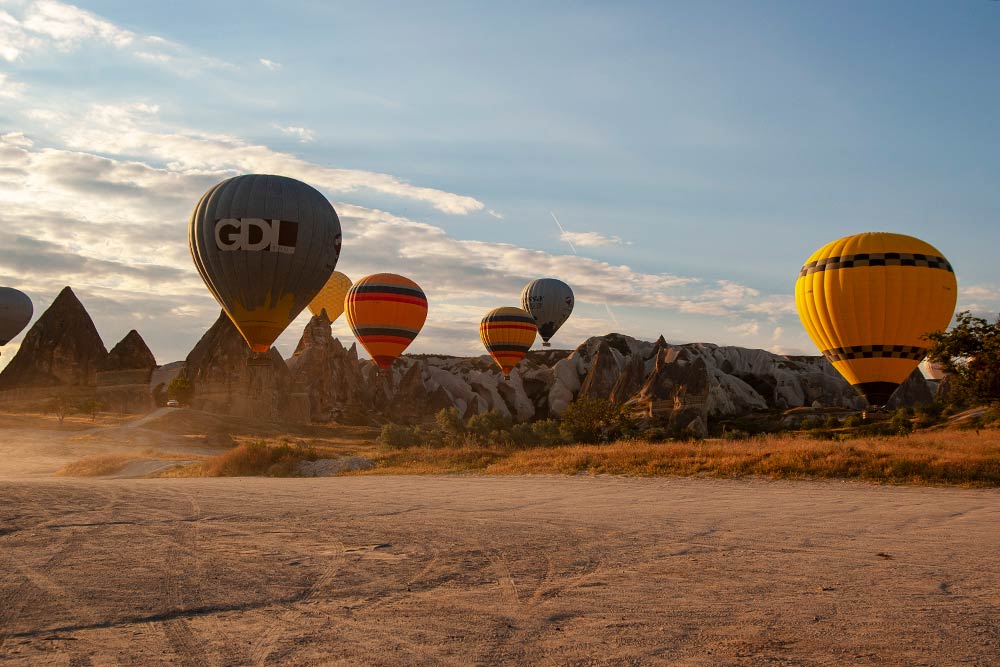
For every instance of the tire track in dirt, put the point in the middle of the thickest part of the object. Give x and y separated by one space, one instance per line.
37 584
188 647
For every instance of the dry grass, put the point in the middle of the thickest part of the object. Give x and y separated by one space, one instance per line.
250 459
940 457
100 465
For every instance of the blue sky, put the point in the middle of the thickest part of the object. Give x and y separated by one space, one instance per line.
696 152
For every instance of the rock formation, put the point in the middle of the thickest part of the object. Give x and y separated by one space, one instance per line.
62 350
229 379
124 374
680 387
331 374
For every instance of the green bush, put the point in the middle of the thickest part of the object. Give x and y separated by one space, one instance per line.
546 432
735 434
853 421
451 426
832 422
483 428
589 420
396 436
655 434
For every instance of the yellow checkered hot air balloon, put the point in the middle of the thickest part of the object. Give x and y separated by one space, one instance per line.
331 296
508 334
385 312
868 302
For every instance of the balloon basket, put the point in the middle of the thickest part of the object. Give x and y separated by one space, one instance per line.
546 344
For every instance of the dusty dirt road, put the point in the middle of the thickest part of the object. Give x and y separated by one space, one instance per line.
495 571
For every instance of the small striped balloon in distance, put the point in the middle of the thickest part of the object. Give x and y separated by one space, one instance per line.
508 334
331 297
386 312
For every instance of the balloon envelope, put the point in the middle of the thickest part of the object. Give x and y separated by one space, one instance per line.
386 312
550 302
868 301
15 313
331 296
264 246
508 334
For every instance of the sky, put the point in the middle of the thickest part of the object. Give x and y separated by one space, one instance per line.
695 153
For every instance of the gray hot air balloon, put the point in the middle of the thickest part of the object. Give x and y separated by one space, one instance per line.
264 245
550 302
15 313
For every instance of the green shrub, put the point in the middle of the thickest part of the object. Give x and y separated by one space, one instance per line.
589 420
546 432
396 436
853 421
832 422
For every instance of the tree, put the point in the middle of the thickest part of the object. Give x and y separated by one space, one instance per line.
181 390
450 423
91 407
593 420
970 353
60 407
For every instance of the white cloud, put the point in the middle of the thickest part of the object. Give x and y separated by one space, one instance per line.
16 139
9 88
45 23
495 214
751 328
590 239
161 58
127 130
68 25
304 135
270 64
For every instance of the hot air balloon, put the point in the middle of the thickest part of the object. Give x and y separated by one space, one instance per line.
331 296
385 312
550 302
15 313
508 334
868 301
264 245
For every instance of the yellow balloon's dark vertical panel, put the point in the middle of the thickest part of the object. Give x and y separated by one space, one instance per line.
264 246
868 302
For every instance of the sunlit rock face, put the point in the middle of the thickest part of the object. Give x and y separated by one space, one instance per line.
123 378
62 349
229 379
330 374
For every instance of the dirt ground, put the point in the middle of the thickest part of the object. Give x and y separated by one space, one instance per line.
536 570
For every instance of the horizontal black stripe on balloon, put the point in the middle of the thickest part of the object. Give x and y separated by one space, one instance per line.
507 347
386 331
492 319
875 352
388 289
876 259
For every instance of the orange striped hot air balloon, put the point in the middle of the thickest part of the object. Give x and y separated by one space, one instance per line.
508 334
385 312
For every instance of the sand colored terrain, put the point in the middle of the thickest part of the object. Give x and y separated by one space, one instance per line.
471 570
